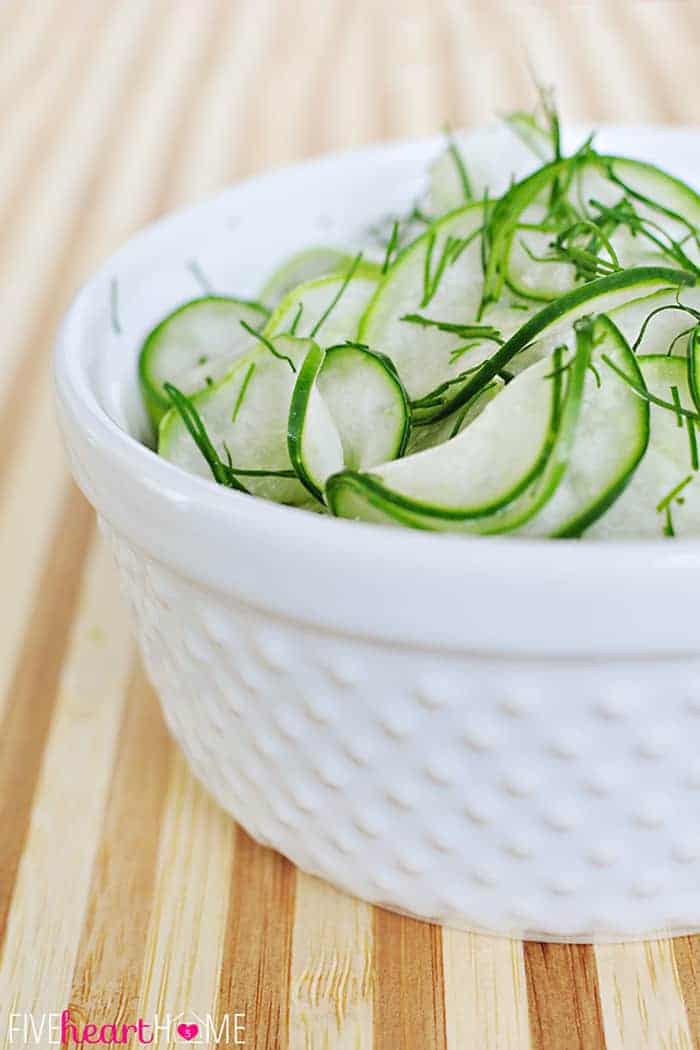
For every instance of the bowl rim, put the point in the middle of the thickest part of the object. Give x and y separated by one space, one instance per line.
546 562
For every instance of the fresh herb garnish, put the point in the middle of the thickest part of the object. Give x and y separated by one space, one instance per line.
269 345
241 393
336 298
195 425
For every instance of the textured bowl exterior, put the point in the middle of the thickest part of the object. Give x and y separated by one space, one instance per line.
499 736
522 797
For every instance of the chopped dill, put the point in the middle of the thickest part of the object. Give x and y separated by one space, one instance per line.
297 317
464 331
460 167
198 432
269 345
659 310
114 306
692 443
646 395
676 398
392 246
459 351
242 392
668 527
336 298
592 368
675 491
200 277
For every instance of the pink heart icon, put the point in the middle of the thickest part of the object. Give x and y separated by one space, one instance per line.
188 1031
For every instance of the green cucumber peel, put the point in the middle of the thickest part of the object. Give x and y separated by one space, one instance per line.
582 297
171 352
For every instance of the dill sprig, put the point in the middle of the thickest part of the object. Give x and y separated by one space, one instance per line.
646 395
673 494
539 130
460 167
465 331
624 214
659 310
391 246
194 423
242 392
336 298
692 443
269 345
297 317
434 398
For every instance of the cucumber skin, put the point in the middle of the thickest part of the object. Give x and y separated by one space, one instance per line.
307 377
157 404
694 366
514 202
409 512
558 308
575 528
308 373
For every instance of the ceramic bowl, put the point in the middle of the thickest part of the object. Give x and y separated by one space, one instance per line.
496 734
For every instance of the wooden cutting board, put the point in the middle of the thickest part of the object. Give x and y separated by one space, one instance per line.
124 892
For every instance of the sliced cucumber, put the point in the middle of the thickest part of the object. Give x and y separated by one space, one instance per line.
367 409
590 439
428 435
328 309
663 497
463 483
621 212
194 345
304 266
660 323
540 333
246 415
437 279
611 439
471 166
694 366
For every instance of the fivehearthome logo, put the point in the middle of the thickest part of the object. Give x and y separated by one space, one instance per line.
62 1029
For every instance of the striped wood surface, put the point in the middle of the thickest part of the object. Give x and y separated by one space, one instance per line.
124 891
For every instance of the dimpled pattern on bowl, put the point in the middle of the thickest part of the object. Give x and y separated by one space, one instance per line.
482 793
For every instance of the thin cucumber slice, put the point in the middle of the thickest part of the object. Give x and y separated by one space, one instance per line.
611 439
595 443
367 410
554 322
307 265
462 484
694 365
616 213
313 442
471 166
194 345
246 415
663 497
661 323
437 280
368 403
430 434
327 309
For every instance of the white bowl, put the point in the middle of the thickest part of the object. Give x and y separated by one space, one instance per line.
496 734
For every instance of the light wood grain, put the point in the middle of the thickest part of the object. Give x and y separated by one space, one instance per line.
333 975
123 889
641 997
485 992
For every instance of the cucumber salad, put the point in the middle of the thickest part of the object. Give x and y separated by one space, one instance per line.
516 357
